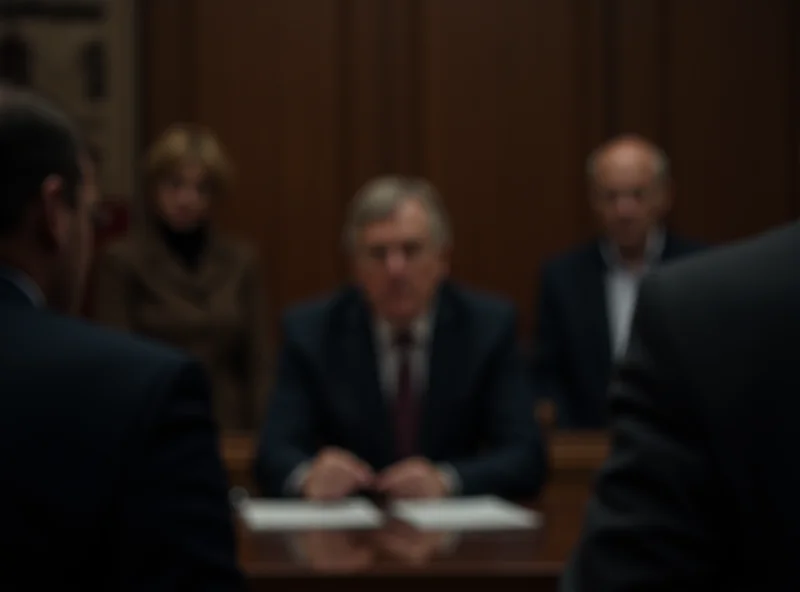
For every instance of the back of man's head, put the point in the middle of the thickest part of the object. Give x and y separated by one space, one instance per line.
37 141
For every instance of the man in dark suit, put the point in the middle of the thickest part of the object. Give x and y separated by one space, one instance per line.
406 385
588 295
110 476
700 491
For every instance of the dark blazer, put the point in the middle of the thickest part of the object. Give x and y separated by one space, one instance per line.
216 313
477 414
702 486
572 345
110 476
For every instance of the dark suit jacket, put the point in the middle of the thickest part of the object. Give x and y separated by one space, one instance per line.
702 486
477 414
216 313
572 347
110 476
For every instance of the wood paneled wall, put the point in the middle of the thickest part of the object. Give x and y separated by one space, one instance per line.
498 102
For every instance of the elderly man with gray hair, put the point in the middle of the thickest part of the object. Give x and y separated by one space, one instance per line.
404 384
588 295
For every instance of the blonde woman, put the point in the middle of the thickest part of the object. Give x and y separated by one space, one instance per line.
176 280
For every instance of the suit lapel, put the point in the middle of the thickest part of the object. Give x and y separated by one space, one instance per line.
448 370
592 291
360 360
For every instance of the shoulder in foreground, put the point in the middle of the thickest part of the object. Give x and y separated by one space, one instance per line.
104 344
755 262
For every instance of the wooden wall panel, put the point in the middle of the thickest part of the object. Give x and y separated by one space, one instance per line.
366 118
637 36
504 135
714 83
382 109
271 84
497 102
732 117
169 63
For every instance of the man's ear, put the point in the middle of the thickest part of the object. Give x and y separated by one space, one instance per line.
55 220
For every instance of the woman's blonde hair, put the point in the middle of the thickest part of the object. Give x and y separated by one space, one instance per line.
188 143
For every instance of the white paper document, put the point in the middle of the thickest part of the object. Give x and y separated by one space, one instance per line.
466 513
278 514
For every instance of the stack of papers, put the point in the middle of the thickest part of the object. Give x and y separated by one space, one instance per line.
467 513
279 514
448 514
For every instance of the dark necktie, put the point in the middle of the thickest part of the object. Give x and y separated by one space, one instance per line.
405 404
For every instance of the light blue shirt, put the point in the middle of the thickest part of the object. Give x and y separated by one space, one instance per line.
622 290
24 284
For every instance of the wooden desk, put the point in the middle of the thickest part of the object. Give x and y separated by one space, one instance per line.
398 557
238 455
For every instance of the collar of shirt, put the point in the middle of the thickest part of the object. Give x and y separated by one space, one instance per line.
420 330
656 241
24 284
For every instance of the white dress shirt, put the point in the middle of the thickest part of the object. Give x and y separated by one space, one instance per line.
622 290
388 355
388 361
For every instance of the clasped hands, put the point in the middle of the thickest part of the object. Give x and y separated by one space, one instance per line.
336 473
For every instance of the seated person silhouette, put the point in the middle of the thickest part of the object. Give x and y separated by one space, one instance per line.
110 475
405 384
176 279
701 486
587 296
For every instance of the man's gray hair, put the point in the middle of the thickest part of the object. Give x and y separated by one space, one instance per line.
661 161
379 198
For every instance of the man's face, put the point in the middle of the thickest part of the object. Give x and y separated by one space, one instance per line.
399 265
627 197
73 233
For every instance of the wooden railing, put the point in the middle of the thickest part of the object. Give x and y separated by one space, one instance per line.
571 454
